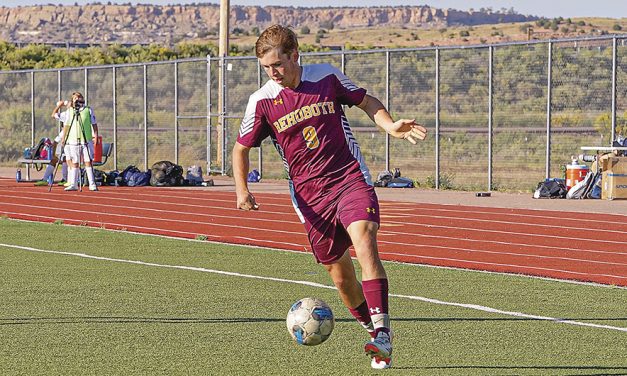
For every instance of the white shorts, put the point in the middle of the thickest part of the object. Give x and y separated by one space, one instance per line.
73 152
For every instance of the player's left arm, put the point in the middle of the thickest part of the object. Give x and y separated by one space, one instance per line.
406 129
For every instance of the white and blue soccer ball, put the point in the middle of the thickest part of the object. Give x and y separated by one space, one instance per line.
310 321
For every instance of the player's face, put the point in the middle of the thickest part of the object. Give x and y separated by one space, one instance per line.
282 68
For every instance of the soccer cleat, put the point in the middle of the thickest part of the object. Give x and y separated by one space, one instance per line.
41 183
380 350
381 363
67 184
71 188
93 188
62 182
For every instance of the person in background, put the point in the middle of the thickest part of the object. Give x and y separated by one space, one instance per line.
80 133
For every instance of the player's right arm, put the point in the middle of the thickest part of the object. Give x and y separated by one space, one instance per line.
241 164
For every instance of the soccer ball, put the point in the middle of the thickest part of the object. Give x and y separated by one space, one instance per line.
310 321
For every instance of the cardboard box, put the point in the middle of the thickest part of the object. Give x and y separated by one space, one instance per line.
614 178
615 164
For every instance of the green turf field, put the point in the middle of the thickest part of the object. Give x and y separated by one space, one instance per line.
68 315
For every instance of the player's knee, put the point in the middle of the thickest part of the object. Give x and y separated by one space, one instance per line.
345 284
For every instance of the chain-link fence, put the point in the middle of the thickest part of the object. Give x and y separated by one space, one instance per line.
499 116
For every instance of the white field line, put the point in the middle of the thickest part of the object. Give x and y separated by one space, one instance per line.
303 247
307 252
318 285
382 233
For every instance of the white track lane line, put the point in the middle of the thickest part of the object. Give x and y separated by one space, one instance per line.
413 245
299 233
318 285
160 199
382 232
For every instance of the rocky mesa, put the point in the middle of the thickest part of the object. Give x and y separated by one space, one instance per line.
142 24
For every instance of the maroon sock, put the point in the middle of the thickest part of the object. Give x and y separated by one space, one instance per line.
376 293
362 315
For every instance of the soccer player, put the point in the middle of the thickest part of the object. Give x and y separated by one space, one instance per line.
300 109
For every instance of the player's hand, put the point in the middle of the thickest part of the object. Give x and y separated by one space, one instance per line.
409 130
246 201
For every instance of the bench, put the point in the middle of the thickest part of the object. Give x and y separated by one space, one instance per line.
107 150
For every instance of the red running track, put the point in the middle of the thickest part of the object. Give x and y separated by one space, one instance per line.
584 247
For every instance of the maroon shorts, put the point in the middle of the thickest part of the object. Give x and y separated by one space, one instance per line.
326 223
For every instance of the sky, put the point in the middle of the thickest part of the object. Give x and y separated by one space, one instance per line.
542 8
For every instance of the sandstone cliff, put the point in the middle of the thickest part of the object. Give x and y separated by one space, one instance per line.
128 24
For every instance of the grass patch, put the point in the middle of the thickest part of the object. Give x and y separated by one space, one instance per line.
73 315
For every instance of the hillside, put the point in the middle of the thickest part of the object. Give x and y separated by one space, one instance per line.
143 24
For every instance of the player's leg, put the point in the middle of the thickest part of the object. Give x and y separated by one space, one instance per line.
358 211
363 234
87 157
72 153
342 273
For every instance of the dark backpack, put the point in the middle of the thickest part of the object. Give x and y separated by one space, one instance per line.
166 174
551 188
138 178
122 178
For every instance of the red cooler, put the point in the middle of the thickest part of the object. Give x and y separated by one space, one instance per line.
575 173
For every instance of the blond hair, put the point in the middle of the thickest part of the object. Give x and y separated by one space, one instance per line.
276 36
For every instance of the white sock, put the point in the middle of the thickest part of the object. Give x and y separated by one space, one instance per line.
48 172
90 176
64 171
72 176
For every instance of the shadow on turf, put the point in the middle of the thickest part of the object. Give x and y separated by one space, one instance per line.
128 320
206 320
547 368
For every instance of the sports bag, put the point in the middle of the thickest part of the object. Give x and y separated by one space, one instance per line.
400 182
138 178
194 175
166 174
551 188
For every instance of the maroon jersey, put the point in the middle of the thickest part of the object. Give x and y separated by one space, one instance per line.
311 133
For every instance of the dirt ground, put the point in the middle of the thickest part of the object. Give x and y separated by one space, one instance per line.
496 199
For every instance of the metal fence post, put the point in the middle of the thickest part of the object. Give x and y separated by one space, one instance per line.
145 117
548 111
613 134
115 118
387 105
490 113
59 95
208 113
223 114
176 112
32 115
86 85
437 118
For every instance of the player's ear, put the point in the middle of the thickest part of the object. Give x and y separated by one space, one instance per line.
295 56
